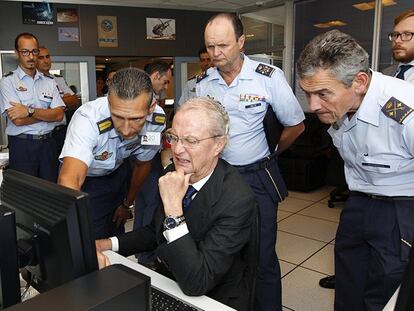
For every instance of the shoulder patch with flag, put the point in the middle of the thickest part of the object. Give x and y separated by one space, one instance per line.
396 110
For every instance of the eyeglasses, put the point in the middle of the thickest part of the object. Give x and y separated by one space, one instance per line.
404 36
34 52
187 141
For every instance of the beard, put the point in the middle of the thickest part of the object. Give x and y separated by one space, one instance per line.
402 55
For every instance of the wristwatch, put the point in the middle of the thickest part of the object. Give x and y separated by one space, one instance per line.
126 206
30 111
171 222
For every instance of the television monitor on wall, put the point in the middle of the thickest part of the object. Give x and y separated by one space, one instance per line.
53 233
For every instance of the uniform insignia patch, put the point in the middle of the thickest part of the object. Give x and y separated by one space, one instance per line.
8 74
201 76
396 110
103 156
158 118
21 88
132 146
265 70
105 125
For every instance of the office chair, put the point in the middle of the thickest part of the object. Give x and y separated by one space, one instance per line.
250 254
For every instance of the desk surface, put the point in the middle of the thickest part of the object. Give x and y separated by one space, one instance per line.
167 285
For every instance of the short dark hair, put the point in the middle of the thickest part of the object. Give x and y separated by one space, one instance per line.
235 21
157 65
403 16
129 83
203 50
334 51
26 35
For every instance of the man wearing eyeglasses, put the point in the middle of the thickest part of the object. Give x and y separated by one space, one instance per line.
403 47
200 229
101 135
31 103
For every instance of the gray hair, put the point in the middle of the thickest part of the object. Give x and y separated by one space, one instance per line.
218 117
335 51
129 83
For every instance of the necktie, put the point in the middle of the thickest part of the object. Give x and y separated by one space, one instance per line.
188 195
403 69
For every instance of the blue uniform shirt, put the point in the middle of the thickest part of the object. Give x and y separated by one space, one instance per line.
103 150
377 144
63 89
246 101
40 92
189 91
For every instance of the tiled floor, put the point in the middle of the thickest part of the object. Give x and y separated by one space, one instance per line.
305 246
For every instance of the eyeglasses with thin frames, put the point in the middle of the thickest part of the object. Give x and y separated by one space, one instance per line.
34 52
187 141
404 36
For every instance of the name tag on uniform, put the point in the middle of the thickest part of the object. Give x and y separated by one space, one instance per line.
151 139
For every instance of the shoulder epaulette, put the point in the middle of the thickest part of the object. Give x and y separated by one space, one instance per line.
193 77
58 76
8 74
265 70
48 75
201 76
105 125
158 118
396 110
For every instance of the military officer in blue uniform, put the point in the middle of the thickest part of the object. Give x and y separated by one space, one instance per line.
31 103
373 129
101 135
189 89
246 88
44 63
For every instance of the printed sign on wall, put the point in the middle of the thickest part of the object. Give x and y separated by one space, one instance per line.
107 31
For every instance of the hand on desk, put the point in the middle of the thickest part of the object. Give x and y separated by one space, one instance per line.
103 245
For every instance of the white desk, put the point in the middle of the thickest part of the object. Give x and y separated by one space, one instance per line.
169 286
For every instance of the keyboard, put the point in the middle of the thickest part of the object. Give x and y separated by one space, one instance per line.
161 301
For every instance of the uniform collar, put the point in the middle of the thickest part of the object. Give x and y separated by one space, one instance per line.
366 111
21 74
402 64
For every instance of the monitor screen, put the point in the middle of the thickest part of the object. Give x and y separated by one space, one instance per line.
54 234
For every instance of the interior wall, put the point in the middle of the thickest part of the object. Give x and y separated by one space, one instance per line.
131 31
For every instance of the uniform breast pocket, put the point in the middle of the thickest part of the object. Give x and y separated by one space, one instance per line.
26 98
45 99
252 110
377 171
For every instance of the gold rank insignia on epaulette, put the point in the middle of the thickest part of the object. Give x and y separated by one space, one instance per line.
105 125
396 110
48 75
8 74
158 118
265 70
201 76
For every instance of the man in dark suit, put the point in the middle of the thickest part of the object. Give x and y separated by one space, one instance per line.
201 235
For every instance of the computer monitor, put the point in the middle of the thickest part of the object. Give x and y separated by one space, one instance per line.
54 234
9 268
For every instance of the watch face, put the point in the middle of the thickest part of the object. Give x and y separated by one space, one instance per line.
170 223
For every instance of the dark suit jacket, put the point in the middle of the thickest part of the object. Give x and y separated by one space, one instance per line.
208 260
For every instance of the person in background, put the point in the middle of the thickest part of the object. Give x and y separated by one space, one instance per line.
31 103
102 134
100 84
202 227
402 47
44 63
147 199
246 89
108 80
190 87
364 107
